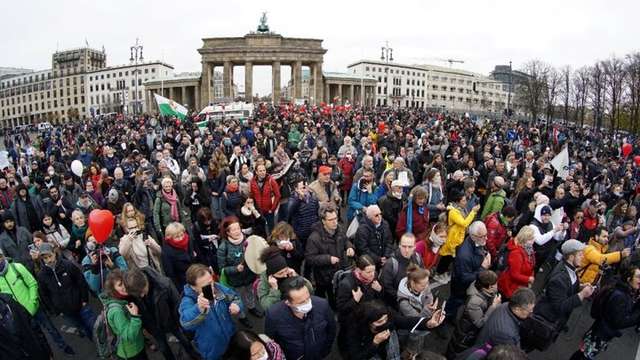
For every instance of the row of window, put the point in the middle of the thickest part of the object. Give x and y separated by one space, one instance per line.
17 110
126 73
394 71
120 84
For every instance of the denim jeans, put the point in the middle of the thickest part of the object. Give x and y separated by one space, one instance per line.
44 321
83 320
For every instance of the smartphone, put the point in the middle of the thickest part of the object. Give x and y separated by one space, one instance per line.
207 292
442 314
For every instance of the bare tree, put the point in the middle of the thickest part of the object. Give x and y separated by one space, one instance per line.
530 92
552 80
614 72
566 90
632 68
581 83
597 93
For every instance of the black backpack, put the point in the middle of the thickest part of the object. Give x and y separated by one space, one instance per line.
502 258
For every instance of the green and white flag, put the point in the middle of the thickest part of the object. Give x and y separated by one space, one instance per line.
169 107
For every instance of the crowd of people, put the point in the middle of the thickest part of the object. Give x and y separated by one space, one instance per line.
333 231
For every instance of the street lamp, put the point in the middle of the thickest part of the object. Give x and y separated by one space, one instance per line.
136 58
387 56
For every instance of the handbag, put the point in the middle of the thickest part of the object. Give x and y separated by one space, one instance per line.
538 333
353 227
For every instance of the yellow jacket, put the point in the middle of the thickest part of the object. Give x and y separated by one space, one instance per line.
458 225
595 254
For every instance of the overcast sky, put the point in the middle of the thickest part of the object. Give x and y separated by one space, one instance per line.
482 33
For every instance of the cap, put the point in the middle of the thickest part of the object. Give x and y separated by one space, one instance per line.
571 246
545 210
45 249
324 170
396 183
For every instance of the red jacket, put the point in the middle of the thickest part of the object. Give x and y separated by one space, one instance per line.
496 234
268 198
519 270
421 227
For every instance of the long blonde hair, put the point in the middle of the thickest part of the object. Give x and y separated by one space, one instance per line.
139 217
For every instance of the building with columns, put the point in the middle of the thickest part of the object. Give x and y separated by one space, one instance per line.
265 48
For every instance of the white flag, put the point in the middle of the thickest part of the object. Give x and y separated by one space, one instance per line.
561 163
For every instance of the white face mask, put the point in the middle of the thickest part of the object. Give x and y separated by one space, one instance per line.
264 356
304 308
397 195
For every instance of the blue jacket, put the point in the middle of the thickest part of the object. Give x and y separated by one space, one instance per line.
310 337
302 214
213 328
359 199
92 272
466 266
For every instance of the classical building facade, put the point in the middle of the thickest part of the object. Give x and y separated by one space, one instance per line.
265 48
430 86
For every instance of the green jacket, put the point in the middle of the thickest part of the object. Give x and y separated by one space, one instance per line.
269 296
495 203
126 327
18 282
294 137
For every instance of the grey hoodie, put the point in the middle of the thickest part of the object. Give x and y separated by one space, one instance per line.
411 304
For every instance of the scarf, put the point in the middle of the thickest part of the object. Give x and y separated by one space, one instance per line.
181 244
236 242
530 252
172 199
357 273
231 188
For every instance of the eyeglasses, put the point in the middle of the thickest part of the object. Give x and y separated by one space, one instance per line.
377 215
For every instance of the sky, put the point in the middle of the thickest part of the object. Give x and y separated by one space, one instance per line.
482 33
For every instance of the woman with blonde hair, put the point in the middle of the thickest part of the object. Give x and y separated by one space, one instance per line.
137 245
176 253
519 263
285 239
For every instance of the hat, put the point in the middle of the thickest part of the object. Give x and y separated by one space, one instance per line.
571 246
8 216
545 210
396 183
45 249
275 263
324 170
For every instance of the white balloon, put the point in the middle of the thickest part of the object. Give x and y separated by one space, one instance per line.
77 167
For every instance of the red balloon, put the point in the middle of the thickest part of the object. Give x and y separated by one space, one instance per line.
626 149
101 224
636 159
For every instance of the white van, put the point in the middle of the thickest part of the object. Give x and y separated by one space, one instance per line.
44 126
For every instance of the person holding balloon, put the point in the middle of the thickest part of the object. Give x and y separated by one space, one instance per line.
101 259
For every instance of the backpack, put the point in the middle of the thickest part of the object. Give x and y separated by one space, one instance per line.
337 278
502 258
599 300
104 338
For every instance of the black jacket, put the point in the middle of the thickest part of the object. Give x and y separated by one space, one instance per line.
560 296
321 246
175 263
345 304
620 311
26 342
159 309
311 337
372 241
63 288
466 266
394 270
391 207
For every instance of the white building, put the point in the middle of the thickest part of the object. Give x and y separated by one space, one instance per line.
113 89
430 86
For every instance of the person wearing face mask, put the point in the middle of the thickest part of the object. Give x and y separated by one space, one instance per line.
247 345
429 248
391 204
303 324
520 261
100 261
373 237
482 299
271 281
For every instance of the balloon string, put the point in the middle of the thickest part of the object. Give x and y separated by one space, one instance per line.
101 273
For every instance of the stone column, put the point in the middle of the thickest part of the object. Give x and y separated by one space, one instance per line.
275 79
340 99
296 67
196 93
183 97
227 80
351 91
205 84
171 94
327 94
318 83
248 81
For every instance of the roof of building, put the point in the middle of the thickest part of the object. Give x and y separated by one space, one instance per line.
421 67
117 67
346 76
